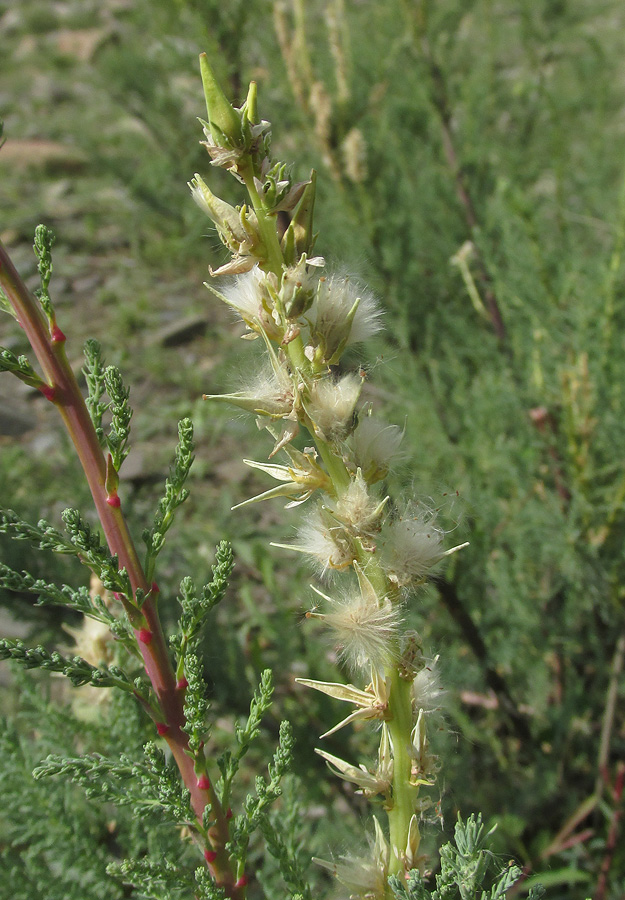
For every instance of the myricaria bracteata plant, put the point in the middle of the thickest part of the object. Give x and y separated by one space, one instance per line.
372 552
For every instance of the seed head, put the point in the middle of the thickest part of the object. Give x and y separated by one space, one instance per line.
250 295
358 509
343 313
365 876
375 445
366 628
331 406
322 538
413 545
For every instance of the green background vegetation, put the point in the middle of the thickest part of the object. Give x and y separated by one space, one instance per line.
497 122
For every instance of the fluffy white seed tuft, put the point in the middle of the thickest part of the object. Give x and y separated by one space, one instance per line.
360 511
331 406
366 629
273 390
426 688
365 877
245 293
327 544
414 543
375 445
336 298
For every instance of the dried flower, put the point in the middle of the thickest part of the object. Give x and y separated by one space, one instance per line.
375 445
365 876
331 406
372 703
298 286
370 782
413 545
322 538
237 228
425 764
360 511
270 393
299 480
342 313
366 627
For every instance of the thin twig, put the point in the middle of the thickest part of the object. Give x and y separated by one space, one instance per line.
440 102
607 723
462 617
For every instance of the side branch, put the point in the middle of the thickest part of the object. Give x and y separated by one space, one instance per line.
62 390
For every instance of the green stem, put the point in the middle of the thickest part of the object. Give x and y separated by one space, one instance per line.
400 723
266 226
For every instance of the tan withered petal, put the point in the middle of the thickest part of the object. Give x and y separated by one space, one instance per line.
238 265
370 783
262 406
372 703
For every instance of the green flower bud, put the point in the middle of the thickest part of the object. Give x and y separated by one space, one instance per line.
224 121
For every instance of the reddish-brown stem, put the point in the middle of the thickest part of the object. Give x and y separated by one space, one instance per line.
66 396
612 840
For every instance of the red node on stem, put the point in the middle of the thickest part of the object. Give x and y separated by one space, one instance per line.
182 684
113 500
154 588
145 635
48 391
242 881
56 335
210 856
203 782
229 813
162 728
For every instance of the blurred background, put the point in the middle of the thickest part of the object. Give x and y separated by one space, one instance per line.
470 158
